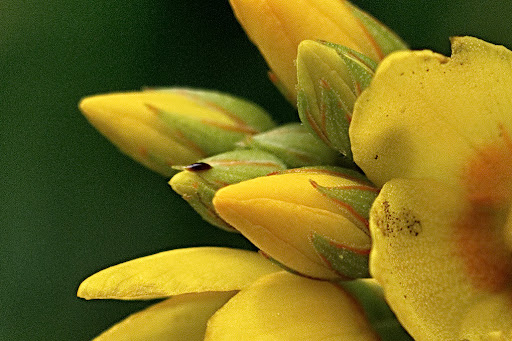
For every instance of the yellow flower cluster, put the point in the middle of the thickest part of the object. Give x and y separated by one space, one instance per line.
388 207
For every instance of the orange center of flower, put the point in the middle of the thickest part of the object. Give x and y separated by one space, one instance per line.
480 231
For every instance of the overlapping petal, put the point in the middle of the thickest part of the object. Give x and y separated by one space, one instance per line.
283 306
441 246
445 279
177 272
426 115
183 317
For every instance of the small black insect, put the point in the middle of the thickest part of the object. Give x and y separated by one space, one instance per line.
198 167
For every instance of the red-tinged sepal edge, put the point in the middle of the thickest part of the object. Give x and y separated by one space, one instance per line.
330 78
197 183
282 266
296 146
348 262
355 200
381 36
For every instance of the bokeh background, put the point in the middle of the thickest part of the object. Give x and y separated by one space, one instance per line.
70 203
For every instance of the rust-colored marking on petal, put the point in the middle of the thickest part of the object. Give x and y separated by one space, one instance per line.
143 152
479 232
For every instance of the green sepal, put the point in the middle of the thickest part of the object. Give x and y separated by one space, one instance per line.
356 201
198 183
237 165
387 40
359 198
209 136
211 139
330 78
245 112
199 196
281 265
347 262
297 147
361 67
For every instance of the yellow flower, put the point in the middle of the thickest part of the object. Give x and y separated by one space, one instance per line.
228 294
295 218
440 127
166 127
278 26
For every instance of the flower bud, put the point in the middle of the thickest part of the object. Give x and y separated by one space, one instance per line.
330 78
283 215
165 127
199 182
296 146
277 27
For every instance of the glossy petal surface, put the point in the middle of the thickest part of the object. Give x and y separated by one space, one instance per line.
278 26
177 272
182 317
280 213
283 306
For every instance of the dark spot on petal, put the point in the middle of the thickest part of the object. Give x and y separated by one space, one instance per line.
394 222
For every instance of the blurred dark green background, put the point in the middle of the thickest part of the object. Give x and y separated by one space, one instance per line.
70 203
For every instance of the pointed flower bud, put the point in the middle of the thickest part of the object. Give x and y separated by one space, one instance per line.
330 78
294 223
199 182
166 127
296 146
277 27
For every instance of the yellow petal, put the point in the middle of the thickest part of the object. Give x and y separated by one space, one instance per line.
175 126
279 214
182 317
489 317
283 306
177 272
278 26
126 120
137 104
446 276
424 115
